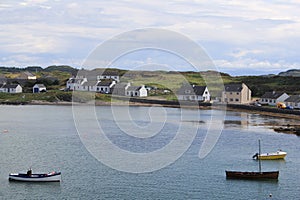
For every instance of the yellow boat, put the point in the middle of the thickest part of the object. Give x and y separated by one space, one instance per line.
271 156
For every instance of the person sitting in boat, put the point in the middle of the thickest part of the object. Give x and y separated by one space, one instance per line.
255 156
29 172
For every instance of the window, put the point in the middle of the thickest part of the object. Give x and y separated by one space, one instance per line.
230 93
237 100
237 93
230 99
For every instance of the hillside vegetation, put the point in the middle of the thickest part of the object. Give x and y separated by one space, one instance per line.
55 77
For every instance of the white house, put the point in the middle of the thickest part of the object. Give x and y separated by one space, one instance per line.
12 88
272 98
136 91
27 75
37 88
105 86
293 101
90 86
193 93
76 83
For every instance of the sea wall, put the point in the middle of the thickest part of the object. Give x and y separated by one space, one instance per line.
204 104
162 102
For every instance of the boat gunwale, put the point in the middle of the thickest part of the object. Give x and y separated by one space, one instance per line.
42 177
252 175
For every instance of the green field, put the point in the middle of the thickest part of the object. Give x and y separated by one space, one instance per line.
165 83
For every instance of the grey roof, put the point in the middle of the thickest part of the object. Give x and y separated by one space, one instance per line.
120 85
109 73
197 90
103 72
74 80
272 95
107 82
133 88
10 86
93 74
233 87
90 83
293 98
28 73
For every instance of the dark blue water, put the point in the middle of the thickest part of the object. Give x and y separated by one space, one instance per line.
45 138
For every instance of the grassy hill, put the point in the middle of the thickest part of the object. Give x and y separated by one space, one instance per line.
55 77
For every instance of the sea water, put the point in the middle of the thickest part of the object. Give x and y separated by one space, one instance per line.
45 138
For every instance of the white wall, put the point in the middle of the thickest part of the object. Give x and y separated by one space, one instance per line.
143 92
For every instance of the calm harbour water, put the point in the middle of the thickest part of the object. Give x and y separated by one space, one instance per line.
45 138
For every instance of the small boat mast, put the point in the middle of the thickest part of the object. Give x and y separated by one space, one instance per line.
259 161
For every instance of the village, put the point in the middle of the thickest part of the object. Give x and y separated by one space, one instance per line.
108 82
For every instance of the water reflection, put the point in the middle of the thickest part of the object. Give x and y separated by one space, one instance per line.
237 119
249 120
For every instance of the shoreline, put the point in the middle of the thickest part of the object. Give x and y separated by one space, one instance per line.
274 112
267 111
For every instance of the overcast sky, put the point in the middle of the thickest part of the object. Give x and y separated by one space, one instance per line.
241 37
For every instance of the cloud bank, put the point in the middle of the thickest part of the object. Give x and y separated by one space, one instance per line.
241 37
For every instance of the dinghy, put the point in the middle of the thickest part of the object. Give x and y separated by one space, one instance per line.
30 177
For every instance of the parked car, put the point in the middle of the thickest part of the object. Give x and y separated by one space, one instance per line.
281 105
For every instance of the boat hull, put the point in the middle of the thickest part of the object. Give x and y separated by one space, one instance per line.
270 156
50 177
252 175
273 156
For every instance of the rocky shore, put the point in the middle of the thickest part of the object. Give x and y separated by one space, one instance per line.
125 101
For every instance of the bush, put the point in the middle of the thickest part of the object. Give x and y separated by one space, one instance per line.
67 96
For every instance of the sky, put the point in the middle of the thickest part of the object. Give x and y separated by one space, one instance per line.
240 37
